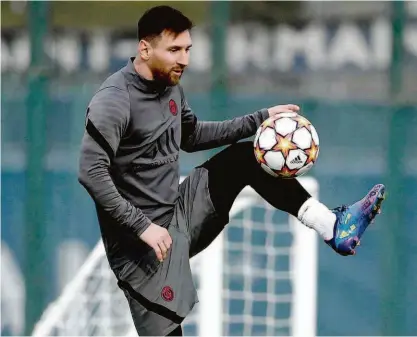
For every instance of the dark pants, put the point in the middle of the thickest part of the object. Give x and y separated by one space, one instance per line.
236 167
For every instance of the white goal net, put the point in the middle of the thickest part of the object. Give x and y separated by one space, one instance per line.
258 278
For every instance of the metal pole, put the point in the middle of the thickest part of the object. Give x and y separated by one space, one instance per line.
394 253
394 258
397 50
220 19
36 108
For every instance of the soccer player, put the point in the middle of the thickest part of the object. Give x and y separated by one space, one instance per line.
151 225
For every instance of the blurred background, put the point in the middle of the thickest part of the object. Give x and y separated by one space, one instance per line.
351 66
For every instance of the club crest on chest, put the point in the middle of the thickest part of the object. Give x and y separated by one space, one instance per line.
173 107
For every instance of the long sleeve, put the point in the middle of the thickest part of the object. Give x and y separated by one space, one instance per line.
202 135
106 120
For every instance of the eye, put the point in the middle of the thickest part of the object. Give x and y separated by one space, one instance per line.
173 50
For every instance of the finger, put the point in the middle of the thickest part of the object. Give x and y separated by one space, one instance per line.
167 243
293 107
167 246
282 110
158 252
163 249
168 240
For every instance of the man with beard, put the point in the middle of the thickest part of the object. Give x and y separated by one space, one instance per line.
151 225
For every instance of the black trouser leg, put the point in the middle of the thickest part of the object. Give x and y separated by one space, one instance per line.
176 332
236 167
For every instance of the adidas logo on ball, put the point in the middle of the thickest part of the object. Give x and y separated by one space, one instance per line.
296 160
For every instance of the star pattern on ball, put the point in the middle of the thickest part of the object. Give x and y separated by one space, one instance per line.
259 154
302 122
311 153
269 123
287 173
284 144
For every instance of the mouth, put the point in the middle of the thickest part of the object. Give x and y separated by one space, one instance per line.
178 72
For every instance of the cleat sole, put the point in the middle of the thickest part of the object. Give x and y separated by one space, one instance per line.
377 207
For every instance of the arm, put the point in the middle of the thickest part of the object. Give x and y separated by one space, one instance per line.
201 135
106 121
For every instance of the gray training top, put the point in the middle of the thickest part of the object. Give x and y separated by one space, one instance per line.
130 150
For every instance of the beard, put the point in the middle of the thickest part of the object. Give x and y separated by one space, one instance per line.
167 77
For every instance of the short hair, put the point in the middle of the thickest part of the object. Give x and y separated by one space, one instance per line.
157 19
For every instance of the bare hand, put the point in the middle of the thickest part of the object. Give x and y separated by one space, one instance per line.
158 238
283 108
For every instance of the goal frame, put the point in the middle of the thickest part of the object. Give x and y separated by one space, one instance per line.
304 263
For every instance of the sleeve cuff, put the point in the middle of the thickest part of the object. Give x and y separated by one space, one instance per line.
142 226
264 114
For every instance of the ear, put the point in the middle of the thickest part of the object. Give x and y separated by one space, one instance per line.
144 50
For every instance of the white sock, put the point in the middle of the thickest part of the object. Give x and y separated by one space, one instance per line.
315 215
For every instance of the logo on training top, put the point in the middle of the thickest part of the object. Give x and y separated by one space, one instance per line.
167 293
173 107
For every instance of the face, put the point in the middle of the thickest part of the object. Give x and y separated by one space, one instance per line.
167 56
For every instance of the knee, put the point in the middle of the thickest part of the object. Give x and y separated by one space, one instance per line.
238 154
242 152
242 148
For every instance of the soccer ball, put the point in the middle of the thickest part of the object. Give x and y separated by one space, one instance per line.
286 145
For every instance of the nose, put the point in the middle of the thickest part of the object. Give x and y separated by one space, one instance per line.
184 58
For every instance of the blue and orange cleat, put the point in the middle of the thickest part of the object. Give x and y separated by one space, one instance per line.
352 221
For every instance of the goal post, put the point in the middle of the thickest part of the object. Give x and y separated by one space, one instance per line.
305 267
235 257
259 277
